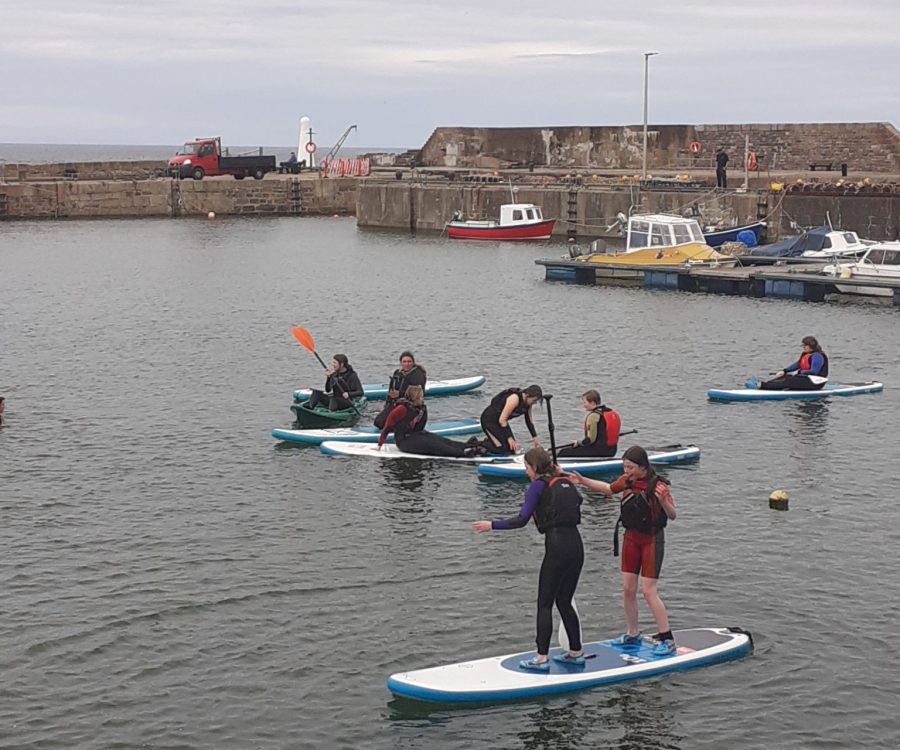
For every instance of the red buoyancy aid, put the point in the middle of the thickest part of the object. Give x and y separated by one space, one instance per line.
612 421
805 362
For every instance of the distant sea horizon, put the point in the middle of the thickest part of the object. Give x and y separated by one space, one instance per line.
52 153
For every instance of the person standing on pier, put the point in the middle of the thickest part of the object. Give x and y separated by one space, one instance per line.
721 162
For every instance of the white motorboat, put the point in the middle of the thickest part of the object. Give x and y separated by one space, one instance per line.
880 262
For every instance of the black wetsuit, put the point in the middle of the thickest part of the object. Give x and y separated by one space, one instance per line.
399 382
346 381
557 513
407 422
490 420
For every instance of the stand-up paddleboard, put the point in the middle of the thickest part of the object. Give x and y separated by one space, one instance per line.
432 388
501 678
371 450
830 389
370 434
514 467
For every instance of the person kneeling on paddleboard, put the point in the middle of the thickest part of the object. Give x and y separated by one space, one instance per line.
601 430
507 405
342 387
409 373
646 508
555 504
808 373
407 421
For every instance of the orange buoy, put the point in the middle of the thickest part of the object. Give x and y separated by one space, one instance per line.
751 161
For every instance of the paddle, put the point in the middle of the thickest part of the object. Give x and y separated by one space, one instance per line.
305 339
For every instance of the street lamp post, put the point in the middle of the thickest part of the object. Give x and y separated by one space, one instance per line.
647 56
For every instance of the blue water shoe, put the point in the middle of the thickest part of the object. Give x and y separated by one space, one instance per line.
664 648
534 665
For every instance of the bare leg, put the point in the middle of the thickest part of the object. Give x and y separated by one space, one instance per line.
648 589
629 602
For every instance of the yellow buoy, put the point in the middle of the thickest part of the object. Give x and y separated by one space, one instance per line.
778 500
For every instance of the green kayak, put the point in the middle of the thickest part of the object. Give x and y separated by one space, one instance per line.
321 418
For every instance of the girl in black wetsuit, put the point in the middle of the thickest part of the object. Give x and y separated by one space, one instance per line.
407 421
506 405
555 504
342 387
409 373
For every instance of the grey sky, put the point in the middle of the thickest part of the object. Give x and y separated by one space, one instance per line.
161 71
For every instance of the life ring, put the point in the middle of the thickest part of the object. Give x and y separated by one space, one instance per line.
751 161
310 148
696 147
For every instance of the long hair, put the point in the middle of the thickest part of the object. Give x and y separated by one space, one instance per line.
342 360
638 455
812 343
409 354
415 394
541 462
534 391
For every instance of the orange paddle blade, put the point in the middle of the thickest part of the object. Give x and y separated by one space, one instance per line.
304 338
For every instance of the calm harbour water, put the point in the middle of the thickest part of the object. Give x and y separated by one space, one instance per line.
172 578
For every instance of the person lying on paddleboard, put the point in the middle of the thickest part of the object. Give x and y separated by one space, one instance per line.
646 507
808 373
342 387
555 504
409 373
601 430
507 405
407 421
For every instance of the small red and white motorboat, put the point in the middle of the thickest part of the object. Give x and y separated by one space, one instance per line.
518 221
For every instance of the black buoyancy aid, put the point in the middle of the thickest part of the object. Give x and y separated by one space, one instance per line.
612 421
641 512
401 380
806 363
560 505
414 420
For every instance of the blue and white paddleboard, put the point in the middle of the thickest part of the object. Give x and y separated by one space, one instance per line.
432 388
830 389
514 467
370 434
501 678
371 450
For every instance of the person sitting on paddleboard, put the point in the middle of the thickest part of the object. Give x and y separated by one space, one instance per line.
409 373
342 387
555 504
601 430
507 405
407 421
646 508
808 373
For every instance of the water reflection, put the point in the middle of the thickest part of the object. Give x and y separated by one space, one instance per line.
811 419
405 474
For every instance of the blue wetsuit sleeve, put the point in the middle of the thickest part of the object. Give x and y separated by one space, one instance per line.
794 366
529 506
816 363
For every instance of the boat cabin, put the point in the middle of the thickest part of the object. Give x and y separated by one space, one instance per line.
662 230
519 213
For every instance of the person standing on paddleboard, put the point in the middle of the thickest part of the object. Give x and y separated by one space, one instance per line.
601 430
647 506
555 504
409 373
507 405
808 373
407 421
342 387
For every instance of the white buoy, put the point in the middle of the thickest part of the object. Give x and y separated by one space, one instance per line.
211 215
562 635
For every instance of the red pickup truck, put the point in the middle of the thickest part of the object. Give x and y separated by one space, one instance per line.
203 157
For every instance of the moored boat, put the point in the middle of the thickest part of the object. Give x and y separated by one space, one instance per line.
813 246
879 263
518 221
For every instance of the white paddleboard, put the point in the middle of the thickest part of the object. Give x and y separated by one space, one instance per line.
515 466
370 434
501 678
757 394
371 450
432 388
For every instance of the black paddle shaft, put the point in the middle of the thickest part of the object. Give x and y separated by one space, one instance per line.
341 383
551 427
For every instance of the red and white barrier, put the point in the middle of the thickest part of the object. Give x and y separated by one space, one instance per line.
346 168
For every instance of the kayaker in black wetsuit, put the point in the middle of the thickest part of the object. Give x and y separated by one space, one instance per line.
808 373
507 405
407 421
409 373
342 387
555 504
601 430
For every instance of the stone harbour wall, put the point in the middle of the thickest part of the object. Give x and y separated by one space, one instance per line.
166 197
867 148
